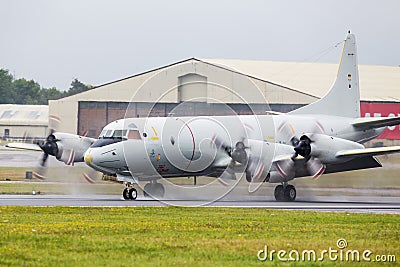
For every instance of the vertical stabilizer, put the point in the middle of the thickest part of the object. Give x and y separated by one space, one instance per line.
343 99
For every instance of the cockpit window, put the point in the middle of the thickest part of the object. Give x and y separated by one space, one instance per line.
112 134
134 134
103 132
108 133
119 133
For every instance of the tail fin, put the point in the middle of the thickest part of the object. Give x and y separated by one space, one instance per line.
343 99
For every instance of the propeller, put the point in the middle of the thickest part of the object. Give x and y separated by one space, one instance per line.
302 147
237 154
241 161
49 147
53 145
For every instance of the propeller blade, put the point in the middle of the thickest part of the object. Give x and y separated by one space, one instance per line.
54 122
40 173
88 179
285 169
315 168
44 159
220 145
71 158
254 170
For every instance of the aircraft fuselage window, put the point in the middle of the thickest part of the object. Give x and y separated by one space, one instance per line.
134 134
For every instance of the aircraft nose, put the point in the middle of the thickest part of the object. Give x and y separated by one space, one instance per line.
105 157
88 158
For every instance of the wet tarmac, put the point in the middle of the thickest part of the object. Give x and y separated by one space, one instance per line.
326 203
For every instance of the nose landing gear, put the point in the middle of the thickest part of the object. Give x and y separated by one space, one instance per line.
152 189
129 193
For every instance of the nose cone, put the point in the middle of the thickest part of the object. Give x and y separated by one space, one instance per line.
88 158
109 157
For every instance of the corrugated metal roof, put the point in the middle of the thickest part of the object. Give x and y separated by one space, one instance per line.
24 114
377 83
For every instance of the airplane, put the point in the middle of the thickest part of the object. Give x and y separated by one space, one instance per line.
323 137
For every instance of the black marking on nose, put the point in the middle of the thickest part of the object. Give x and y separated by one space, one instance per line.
108 151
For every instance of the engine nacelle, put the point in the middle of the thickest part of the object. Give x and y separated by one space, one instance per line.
325 147
71 147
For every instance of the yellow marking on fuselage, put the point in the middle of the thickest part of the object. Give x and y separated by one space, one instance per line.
154 138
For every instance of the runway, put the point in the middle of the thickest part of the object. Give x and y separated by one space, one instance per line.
359 204
344 199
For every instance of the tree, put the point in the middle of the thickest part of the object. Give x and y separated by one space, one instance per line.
78 87
6 87
22 91
26 92
50 94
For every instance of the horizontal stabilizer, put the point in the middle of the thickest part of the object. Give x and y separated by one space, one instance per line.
370 123
26 146
356 153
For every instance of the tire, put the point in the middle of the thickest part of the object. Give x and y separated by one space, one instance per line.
125 194
159 190
279 193
147 190
132 194
154 190
290 193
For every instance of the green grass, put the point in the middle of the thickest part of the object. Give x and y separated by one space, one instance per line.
177 236
14 173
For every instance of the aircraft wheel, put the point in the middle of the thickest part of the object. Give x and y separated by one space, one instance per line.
290 193
279 193
125 194
154 190
132 193
159 190
147 190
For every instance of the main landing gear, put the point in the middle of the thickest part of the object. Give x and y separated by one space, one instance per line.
285 192
153 189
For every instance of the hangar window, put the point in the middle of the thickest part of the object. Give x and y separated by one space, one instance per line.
91 132
33 115
8 114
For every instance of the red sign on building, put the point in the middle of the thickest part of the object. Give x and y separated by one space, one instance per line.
383 110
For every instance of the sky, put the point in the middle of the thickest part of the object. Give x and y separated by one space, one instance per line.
96 41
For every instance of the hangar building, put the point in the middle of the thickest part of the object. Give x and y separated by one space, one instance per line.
23 121
222 87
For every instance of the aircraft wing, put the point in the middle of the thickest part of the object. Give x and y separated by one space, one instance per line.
26 146
370 123
374 151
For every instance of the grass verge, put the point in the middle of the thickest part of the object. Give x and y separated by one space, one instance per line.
177 236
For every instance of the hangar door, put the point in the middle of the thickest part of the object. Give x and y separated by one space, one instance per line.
192 87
